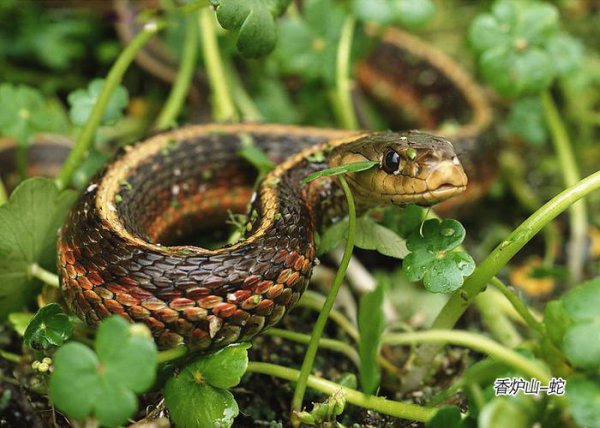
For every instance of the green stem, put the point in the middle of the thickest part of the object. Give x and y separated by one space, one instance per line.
578 219
171 354
43 275
343 91
496 321
3 193
114 77
222 103
9 356
315 301
473 341
519 306
313 346
496 260
22 160
241 98
331 344
172 107
378 404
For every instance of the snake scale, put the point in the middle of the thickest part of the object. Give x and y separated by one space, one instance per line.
124 248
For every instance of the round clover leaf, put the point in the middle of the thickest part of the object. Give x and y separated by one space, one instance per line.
432 259
198 396
49 327
522 48
82 102
103 384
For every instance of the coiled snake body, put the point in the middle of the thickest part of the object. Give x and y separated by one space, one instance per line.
123 249
114 256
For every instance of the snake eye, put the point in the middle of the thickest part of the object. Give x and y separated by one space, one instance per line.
390 162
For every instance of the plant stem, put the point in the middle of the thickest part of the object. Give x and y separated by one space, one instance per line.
248 110
9 356
345 109
43 275
331 344
314 301
3 193
496 260
115 75
379 404
222 103
578 219
498 324
473 341
519 306
313 346
172 107
171 354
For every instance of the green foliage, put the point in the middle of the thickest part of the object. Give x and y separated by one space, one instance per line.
254 155
24 112
371 323
103 384
505 411
446 417
369 236
28 225
403 220
50 326
521 47
573 323
325 413
584 397
342 169
526 119
198 395
308 44
408 13
432 259
82 102
254 20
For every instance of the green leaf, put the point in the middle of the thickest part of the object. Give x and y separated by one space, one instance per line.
526 119
103 384
198 397
254 20
82 101
29 222
566 52
513 40
50 326
333 237
371 323
193 405
369 236
432 259
446 417
342 169
403 220
409 13
373 236
19 321
503 412
584 396
24 112
308 44
581 342
254 155
514 73
556 320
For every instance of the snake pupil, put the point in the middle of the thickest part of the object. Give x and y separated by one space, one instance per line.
391 162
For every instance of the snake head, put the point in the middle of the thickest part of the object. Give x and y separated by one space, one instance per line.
414 168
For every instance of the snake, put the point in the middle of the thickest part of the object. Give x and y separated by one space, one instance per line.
126 248
120 250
